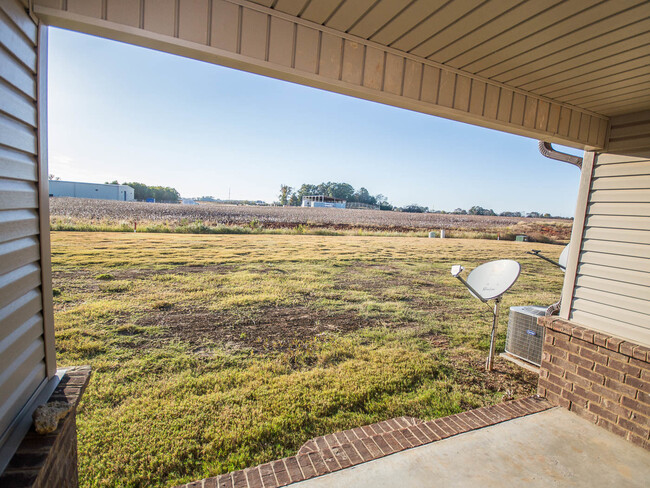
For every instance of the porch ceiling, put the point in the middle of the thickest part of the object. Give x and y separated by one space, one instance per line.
592 54
549 69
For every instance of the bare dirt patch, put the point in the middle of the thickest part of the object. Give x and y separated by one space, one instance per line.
266 330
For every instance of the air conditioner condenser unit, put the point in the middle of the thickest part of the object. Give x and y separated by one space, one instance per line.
525 338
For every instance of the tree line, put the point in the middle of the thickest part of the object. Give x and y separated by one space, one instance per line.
159 193
293 196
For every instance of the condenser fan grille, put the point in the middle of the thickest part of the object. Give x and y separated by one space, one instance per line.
525 338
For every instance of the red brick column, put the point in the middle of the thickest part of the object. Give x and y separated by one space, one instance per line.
601 378
51 460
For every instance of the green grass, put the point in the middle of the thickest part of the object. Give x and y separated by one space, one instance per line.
216 352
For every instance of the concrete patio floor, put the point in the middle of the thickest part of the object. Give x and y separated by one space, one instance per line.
551 448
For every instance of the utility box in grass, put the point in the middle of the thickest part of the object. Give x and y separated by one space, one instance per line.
521 238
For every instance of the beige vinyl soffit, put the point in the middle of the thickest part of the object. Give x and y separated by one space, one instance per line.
244 35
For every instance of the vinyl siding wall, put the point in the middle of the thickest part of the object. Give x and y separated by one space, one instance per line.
612 286
24 339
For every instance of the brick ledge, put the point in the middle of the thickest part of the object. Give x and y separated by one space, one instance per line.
600 339
328 459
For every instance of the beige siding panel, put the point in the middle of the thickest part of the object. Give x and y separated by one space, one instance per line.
622 169
554 118
91 8
617 235
447 88
18 312
19 338
615 314
306 49
606 158
412 79
609 326
617 248
125 12
613 299
18 165
353 53
16 74
330 56
15 10
505 106
477 97
618 275
600 196
17 105
193 20
430 84
373 72
15 42
542 117
640 209
160 16
14 374
254 34
12 404
618 222
15 224
16 282
518 108
394 74
281 42
16 194
17 253
462 94
224 32
530 113
492 95
634 130
17 135
615 261
621 182
606 284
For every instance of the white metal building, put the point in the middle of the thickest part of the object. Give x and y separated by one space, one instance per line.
78 189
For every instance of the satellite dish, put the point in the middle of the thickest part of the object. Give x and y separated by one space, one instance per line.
493 279
488 282
564 257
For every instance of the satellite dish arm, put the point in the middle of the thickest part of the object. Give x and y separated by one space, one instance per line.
536 252
477 294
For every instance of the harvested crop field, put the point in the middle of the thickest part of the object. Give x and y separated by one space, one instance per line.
83 214
212 353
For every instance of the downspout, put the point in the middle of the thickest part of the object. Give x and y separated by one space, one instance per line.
547 150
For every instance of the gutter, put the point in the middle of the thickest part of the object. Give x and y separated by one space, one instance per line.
547 150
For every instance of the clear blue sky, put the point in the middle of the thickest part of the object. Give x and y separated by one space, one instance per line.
132 114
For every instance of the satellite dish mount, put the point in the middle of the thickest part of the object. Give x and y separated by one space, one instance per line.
487 282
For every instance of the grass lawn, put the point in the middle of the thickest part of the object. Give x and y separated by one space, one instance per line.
216 352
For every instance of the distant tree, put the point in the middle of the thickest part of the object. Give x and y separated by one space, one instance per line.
285 194
533 215
294 201
510 214
52 177
159 193
415 208
476 210
460 211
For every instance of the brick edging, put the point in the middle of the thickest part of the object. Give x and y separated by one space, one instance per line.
330 458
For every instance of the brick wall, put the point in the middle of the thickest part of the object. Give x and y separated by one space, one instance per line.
51 460
601 378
